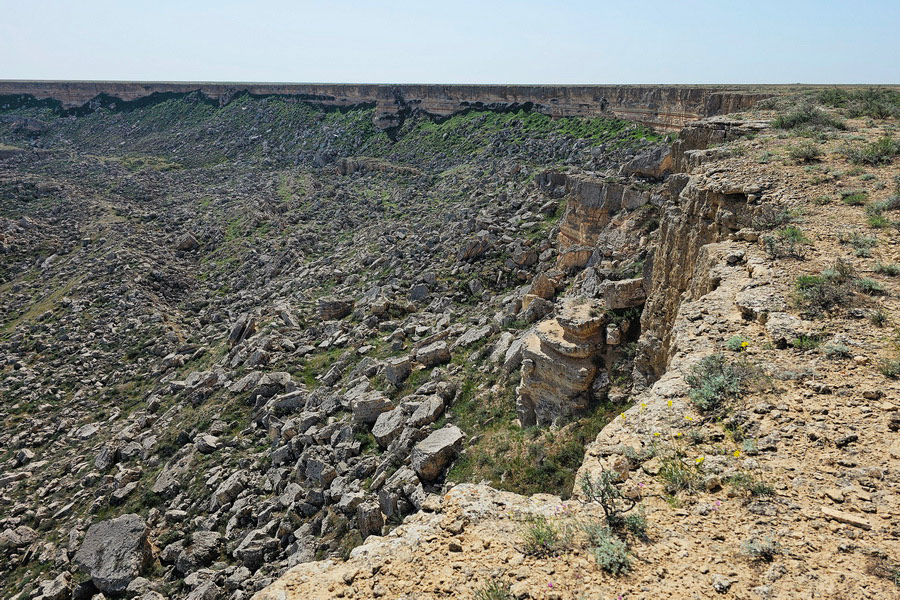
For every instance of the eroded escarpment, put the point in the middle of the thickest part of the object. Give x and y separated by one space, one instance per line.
668 107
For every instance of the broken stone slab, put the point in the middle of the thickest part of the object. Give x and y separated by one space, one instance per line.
626 293
652 164
434 354
115 552
846 518
429 457
389 426
472 336
396 370
427 412
367 406
186 242
331 309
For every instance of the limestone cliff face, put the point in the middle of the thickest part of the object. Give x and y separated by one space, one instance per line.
701 210
665 107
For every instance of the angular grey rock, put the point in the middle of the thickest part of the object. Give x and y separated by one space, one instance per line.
429 457
331 309
204 547
473 335
626 293
388 426
187 242
396 370
427 412
433 354
369 519
114 552
19 537
228 490
367 406
207 444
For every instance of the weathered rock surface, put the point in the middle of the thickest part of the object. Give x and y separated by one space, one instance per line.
115 552
431 455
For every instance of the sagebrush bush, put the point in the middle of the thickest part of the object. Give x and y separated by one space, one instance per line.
765 549
808 115
881 151
714 380
817 294
679 476
609 550
806 151
889 269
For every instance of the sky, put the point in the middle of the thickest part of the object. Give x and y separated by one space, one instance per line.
459 41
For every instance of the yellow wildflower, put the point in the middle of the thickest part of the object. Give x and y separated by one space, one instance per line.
656 433
737 453
623 416
699 460
670 403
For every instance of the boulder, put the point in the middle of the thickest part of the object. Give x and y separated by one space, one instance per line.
472 336
19 537
388 426
427 412
434 354
331 309
430 456
396 370
652 164
626 293
203 549
187 242
114 552
367 406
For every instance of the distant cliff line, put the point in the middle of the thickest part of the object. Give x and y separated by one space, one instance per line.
666 107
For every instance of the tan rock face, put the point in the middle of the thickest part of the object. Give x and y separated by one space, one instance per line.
669 107
559 364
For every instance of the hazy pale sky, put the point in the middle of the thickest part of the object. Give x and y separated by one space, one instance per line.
460 41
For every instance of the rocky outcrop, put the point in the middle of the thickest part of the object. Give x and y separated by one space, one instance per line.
560 360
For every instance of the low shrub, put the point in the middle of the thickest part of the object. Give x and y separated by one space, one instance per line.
806 151
854 197
881 151
495 589
808 116
889 269
870 287
679 476
817 294
737 343
540 537
610 552
765 549
714 380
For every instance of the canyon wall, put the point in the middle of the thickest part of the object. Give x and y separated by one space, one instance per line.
665 107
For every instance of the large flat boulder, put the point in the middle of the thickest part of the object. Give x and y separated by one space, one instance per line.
114 552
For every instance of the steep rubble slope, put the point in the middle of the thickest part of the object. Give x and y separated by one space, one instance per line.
263 332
